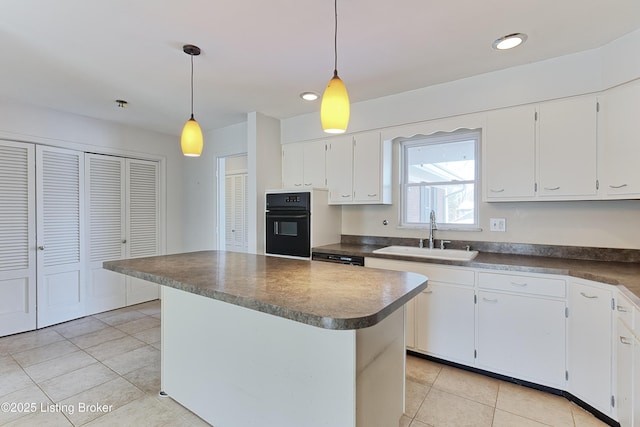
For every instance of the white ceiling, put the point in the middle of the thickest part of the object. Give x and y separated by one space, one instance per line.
80 55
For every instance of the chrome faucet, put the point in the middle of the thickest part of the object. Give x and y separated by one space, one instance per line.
432 226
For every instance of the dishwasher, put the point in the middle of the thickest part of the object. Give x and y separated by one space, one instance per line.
338 259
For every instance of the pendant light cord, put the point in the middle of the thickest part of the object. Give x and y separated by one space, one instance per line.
191 55
335 40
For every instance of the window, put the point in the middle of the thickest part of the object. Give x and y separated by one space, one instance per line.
440 174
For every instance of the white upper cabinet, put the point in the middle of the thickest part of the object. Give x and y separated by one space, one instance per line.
371 169
303 165
620 148
340 169
567 150
292 169
509 154
359 169
545 151
314 161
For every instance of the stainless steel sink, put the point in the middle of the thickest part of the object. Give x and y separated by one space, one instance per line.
446 254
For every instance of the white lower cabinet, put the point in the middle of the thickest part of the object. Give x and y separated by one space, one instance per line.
636 379
521 326
589 355
444 313
624 343
555 331
410 324
522 336
445 322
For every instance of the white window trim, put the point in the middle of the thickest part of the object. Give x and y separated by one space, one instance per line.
434 139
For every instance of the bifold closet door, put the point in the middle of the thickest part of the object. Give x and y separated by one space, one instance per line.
17 238
236 224
60 234
106 290
142 223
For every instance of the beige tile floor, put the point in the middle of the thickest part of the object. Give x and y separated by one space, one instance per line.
104 370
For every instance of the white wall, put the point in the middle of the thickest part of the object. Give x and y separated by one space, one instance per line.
265 171
200 192
55 128
259 139
606 224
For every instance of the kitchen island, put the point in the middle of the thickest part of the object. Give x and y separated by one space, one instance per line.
249 340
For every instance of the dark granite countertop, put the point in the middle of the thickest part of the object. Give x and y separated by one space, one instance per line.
330 296
623 274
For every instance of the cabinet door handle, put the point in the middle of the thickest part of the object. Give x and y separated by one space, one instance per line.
588 296
520 285
621 309
346 195
489 299
372 195
496 191
41 248
297 185
551 188
625 340
308 185
124 241
427 292
618 186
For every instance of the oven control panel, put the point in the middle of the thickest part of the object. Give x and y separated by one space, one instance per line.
299 201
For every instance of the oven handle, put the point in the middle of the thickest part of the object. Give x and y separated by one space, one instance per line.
302 216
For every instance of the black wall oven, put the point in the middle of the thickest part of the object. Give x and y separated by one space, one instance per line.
288 224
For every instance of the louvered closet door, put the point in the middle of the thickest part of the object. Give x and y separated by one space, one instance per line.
142 223
17 238
60 233
236 223
105 185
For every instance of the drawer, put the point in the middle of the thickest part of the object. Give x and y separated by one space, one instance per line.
625 311
449 275
524 284
436 273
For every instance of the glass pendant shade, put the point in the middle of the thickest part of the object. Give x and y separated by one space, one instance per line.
191 139
335 110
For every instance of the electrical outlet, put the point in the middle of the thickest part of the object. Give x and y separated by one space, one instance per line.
497 224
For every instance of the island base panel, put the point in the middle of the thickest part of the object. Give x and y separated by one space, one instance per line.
233 366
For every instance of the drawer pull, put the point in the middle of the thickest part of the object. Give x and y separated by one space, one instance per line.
622 309
485 299
427 292
308 185
618 186
372 195
520 285
625 340
297 185
551 188
588 296
346 195
496 191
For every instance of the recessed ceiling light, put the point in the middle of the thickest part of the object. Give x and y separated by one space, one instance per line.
509 41
309 96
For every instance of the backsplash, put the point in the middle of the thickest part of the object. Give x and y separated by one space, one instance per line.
554 251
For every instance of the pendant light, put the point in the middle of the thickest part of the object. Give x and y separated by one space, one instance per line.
191 139
334 110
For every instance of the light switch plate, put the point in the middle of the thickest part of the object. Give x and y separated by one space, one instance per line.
497 224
